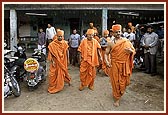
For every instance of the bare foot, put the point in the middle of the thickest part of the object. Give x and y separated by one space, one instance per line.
81 87
116 103
91 88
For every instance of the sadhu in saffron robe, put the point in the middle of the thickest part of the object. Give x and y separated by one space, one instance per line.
89 55
58 73
122 65
103 64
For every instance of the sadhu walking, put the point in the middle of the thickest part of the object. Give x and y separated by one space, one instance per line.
103 43
120 69
58 57
89 50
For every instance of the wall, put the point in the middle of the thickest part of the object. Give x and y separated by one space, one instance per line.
24 30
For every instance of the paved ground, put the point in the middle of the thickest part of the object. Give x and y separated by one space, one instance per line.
145 93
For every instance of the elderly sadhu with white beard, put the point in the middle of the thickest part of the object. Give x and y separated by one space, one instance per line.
58 57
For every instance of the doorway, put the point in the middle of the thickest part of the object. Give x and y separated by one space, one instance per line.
74 24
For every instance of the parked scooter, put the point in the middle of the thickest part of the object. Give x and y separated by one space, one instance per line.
36 69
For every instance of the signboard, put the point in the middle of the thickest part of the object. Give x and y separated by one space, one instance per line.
31 65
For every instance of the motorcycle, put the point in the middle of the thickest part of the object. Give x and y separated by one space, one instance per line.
138 63
36 69
20 53
9 62
11 85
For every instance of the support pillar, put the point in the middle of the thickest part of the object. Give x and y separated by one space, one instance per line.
13 29
104 19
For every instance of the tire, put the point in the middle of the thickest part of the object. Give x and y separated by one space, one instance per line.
44 74
15 87
17 72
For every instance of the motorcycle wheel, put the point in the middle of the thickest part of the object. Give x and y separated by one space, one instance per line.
15 87
44 74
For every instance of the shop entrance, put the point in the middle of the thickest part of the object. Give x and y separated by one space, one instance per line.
74 24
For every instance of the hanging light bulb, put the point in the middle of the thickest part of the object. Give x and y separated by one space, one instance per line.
154 18
150 19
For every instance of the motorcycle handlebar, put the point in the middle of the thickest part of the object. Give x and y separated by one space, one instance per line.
40 49
7 52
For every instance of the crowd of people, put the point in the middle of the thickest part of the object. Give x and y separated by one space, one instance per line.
115 53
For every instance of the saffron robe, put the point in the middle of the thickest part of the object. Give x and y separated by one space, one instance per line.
122 65
58 73
103 64
97 38
89 59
